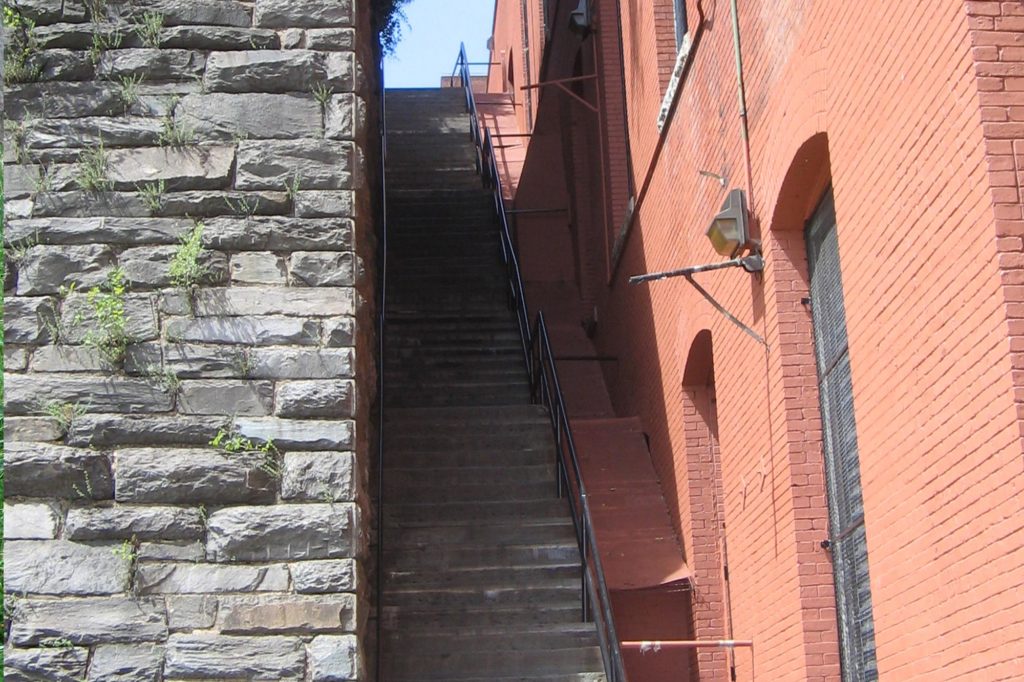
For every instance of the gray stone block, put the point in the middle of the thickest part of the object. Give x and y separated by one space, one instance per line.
126 663
219 38
15 359
118 430
27 394
61 100
28 320
258 268
63 568
201 12
209 656
66 65
152 64
251 301
299 363
220 396
41 12
187 361
346 117
280 234
20 181
262 71
285 532
87 205
90 621
266 330
46 268
180 578
149 266
221 116
191 612
303 13
339 332
89 131
318 164
331 39
201 167
335 658
68 359
190 476
318 477
267 615
325 204
39 470
200 204
30 522
78 317
32 429
325 577
331 399
32 665
294 434
127 522
322 269
292 38
120 231
171 551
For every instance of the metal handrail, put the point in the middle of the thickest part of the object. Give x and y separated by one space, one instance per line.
546 389
382 283
462 65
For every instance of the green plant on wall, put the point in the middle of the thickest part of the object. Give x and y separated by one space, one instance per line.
152 195
149 29
109 334
388 18
128 90
22 46
91 173
186 270
103 40
233 442
174 133
64 414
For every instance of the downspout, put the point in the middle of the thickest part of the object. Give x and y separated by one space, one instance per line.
741 93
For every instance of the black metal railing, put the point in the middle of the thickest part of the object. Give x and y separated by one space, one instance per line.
382 292
546 389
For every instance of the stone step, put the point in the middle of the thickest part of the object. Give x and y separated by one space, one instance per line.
469 557
500 638
478 578
416 456
560 591
456 476
401 618
500 534
496 665
461 511
483 490
534 414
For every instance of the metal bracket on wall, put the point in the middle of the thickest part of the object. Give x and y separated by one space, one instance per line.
560 83
752 263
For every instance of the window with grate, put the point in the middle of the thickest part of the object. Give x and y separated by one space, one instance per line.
839 436
681 27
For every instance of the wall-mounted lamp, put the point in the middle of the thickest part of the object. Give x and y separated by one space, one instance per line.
579 18
729 232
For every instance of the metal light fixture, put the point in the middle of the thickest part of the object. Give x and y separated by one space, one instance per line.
579 18
729 231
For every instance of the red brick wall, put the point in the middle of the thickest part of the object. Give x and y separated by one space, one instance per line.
911 111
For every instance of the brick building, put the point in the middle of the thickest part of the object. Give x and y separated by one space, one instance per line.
877 147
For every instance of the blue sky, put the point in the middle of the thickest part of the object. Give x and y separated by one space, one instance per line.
430 41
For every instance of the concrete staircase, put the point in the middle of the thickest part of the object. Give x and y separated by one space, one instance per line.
481 569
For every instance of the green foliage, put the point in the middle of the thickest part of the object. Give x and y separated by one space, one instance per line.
175 133
18 130
152 195
235 443
166 379
103 41
91 171
388 18
243 205
128 552
63 413
22 46
110 334
291 187
97 9
128 89
186 270
56 643
149 29
322 93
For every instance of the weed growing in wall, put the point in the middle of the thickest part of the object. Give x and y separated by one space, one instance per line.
174 133
149 29
186 270
21 48
107 302
235 443
91 171
64 414
128 90
103 40
152 195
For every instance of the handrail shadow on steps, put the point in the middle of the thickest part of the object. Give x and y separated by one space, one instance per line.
545 389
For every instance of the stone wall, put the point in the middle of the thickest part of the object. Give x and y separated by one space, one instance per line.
188 339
